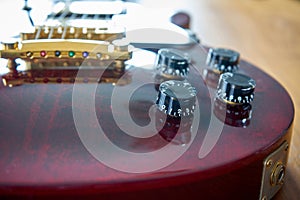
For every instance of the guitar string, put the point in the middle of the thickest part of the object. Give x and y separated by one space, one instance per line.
63 21
38 32
51 32
52 29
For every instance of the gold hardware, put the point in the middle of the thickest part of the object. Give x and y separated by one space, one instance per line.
278 174
287 147
274 172
61 54
54 52
264 198
70 32
10 45
269 163
32 49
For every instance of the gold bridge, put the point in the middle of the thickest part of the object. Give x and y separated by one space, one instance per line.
106 33
67 49
58 60
54 52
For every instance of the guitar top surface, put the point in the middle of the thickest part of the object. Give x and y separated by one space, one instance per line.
67 133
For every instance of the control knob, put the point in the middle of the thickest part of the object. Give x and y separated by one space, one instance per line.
176 98
223 60
172 63
236 88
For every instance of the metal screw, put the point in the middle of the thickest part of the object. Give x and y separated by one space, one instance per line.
269 163
264 198
286 147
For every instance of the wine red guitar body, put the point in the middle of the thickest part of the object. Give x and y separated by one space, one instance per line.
61 140
42 154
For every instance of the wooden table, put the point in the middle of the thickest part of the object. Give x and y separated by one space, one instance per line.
266 33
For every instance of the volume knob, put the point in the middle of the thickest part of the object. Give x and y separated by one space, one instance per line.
176 98
223 60
172 62
236 88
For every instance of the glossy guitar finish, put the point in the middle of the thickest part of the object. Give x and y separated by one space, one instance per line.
51 145
42 154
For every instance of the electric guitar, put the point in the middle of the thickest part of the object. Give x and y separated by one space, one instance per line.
99 111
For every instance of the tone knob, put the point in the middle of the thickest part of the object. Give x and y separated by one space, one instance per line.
236 88
223 60
172 62
176 98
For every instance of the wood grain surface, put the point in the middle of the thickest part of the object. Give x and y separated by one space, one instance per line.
267 34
